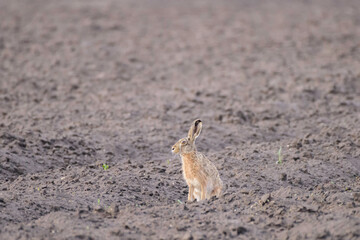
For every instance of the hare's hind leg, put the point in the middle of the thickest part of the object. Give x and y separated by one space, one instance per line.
217 192
209 191
191 193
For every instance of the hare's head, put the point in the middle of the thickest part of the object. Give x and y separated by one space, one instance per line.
186 145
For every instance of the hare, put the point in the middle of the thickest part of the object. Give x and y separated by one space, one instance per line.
199 172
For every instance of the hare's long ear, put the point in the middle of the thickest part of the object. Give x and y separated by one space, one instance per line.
195 130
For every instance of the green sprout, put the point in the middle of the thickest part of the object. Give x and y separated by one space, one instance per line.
99 201
280 158
180 201
105 166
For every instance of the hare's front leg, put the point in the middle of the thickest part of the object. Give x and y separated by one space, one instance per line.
203 191
191 193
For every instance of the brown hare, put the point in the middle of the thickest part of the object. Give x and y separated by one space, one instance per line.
199 172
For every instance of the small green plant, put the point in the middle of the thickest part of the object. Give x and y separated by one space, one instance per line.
180 201
105 166
280 158
99 201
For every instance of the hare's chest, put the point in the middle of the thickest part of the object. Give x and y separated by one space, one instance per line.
187 170
190 171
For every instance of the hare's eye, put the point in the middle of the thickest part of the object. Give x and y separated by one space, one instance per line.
183 142
173 148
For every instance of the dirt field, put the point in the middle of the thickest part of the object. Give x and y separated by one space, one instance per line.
83 83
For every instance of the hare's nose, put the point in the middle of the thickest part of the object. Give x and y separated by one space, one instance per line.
173 149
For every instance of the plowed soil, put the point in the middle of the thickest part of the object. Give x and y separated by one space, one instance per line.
87 83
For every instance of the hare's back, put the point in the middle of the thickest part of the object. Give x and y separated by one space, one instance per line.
207 166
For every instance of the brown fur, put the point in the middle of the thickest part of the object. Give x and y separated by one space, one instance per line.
199 172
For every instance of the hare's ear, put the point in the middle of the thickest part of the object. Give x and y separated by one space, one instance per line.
195 130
